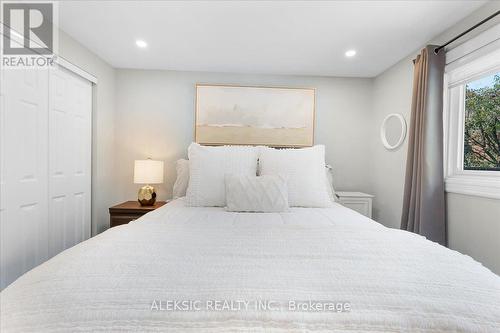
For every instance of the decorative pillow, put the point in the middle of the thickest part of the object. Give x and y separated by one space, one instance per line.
265 194
305 169
182 180
209 165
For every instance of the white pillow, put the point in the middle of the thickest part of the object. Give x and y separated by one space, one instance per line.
305 169
256 194
328 179
209 165
329 183
182 180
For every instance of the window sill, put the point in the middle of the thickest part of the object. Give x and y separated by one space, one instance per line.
481 186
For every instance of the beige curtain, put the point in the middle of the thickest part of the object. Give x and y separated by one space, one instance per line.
424 198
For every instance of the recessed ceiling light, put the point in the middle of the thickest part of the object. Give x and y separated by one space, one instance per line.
350 53
140 43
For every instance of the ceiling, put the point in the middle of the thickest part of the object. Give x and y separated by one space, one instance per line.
271 37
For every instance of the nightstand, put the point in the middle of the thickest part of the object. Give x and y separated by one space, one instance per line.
358 201
129 211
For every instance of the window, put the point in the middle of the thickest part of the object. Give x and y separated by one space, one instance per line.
482 124
472 125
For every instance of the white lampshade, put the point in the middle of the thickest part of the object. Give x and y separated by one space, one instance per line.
148 172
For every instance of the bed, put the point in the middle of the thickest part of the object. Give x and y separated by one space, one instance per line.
379 279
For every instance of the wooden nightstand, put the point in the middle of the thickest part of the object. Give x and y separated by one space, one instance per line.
358 201
129 211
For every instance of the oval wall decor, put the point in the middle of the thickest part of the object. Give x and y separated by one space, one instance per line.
390 144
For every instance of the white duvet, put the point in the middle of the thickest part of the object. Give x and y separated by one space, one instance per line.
124 278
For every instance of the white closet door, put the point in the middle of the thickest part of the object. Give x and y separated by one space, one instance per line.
24 157
45 166
70 142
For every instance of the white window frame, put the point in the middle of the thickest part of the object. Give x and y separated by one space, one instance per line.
458 180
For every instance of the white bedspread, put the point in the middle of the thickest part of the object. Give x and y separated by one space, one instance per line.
392 280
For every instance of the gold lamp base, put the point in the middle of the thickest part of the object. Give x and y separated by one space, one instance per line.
147 195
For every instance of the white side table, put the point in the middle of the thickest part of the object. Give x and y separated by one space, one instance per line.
358 201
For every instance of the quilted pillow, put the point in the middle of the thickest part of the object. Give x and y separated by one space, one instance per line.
329 183
265 194
182 180
209 165
305 169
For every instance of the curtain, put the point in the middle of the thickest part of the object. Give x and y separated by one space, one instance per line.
424 197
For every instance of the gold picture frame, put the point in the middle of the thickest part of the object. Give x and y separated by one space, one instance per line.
254 115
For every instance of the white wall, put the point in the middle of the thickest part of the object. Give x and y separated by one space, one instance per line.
155 118
392 93
103 181
473 222
474 228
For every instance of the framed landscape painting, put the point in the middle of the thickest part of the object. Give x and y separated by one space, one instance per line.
245 115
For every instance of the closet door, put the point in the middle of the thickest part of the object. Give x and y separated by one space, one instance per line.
45 166
23 180
70 142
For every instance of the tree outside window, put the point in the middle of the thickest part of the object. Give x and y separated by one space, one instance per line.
482 124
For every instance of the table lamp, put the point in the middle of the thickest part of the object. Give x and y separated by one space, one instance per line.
147 172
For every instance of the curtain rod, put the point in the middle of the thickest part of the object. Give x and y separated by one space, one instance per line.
437 49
